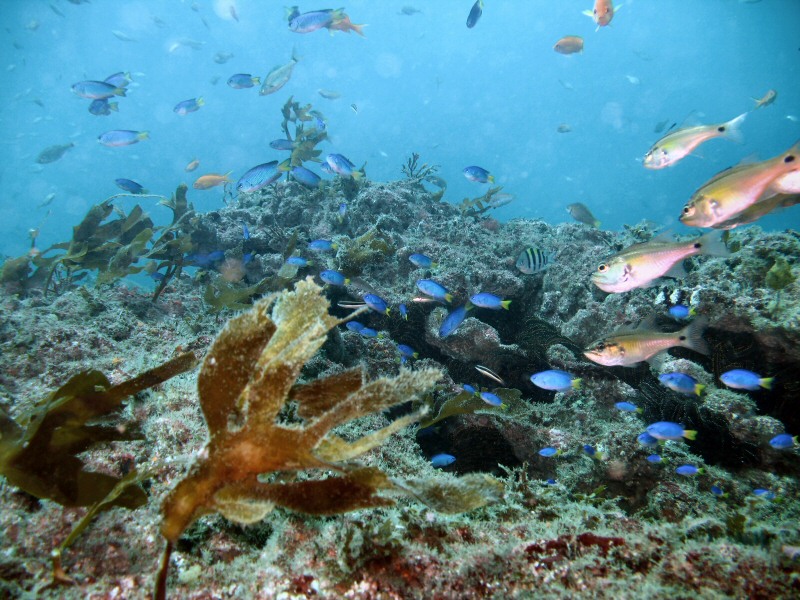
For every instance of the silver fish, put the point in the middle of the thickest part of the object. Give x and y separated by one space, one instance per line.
534 260
278 77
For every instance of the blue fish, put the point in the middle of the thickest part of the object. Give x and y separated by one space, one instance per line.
403 311
478 175
784 441
245 231
762 493
487 300
333 277
158 275
342 166
191 105
555 380
130 186
247 258
665 430
469 389
681 311
306 177
453 320
592 452
376 303
368 332
407 351
741 379
474 14
122 137
645 439
102 107
718 491
355 326
442 460
435 290
312 21
322 245
242 81
682 383
655 458
120 79
298 261
491 399
259 176
548 452
205 260
282 144
627 407
687 470
421 260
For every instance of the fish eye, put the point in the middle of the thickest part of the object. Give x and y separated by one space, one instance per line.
603 268
687 209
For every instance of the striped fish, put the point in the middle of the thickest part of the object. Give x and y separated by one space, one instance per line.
534 260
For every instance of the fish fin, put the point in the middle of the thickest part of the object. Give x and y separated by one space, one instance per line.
656 361
766 382
114 106
120 91
732 128
588 13
144 135
256 80
690 434
713 244
200 101
691 336
698 389
576 383
676 271
505 304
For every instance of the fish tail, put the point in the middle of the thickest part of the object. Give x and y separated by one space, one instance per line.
359 29
698 389
712 244
690 434
490 179
449 297
143 135
226 178
691 336
505 304
256 80
766 382
201 101
295 56
576 383
731 129
120 91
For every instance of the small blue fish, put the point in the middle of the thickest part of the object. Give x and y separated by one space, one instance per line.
342 211
681 311
282 145
119 80
762 493
312 21
453 320
592 452
656 458
130 186
435 290
469 389
687 470
122 137
246 258
556 381
627 407
342 166
191 105
205 260
102 107
332 277
407 351
355 326
422 261
491 399
784 441
442 460
478 175
403 311
322 245
326 169
665 430
550 482
158 275
259 177
741 379
547 452
245 231
242 81
297 261
376 303
474 14
682 383
645 439
718 491
487 300
368 332
306 177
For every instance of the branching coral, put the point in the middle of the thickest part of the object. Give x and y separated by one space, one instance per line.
246 380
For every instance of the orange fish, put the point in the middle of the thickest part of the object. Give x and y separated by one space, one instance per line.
344 24
192 165
569 44
602 13
206 182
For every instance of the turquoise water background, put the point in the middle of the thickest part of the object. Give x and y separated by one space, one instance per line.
492 96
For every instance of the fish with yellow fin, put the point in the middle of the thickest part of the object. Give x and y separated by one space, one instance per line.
677 145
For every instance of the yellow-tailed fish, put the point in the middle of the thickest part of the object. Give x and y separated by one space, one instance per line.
641 264
676 145
628 348
728 196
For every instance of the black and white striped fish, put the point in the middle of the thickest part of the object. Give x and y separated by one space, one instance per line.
534 260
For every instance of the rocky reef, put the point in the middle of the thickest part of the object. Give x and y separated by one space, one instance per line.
603 524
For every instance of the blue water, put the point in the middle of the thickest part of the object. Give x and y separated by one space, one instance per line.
491 96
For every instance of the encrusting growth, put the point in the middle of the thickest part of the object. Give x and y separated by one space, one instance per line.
246 379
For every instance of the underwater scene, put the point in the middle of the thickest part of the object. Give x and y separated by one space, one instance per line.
401 299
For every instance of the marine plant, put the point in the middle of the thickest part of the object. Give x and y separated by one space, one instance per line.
475 207
778 277
40 450
371 247
305 138
416 172
245 383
